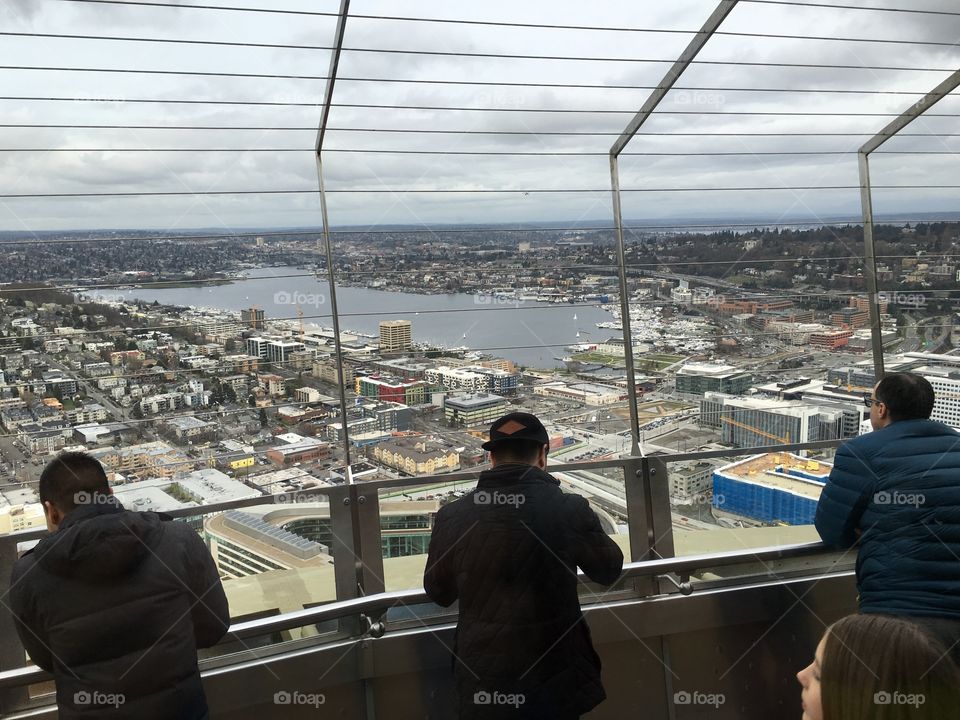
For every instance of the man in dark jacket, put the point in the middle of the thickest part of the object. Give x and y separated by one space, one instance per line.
115 603
509 552
896 491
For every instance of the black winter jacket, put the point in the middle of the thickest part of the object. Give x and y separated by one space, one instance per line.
508 551
115 604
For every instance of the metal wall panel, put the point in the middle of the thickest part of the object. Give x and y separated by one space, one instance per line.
744 643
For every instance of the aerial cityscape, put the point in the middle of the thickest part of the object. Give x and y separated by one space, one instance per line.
537 360
199 390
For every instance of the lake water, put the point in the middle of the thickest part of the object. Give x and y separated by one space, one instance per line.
529 333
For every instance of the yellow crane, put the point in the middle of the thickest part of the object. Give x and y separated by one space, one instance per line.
784 440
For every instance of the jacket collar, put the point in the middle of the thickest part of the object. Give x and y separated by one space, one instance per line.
923 426
514 473
109 506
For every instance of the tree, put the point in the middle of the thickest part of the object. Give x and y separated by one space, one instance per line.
264 421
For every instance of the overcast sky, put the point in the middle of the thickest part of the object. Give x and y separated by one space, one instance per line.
88 95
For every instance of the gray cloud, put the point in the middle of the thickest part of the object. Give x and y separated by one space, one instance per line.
65 172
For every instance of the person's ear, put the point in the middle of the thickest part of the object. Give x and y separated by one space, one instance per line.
53 515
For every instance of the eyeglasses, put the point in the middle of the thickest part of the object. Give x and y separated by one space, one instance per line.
870 402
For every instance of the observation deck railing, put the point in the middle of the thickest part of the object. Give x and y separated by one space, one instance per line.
363 605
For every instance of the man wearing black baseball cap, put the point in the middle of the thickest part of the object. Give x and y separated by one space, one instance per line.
509 552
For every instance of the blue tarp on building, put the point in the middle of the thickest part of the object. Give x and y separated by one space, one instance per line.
761 502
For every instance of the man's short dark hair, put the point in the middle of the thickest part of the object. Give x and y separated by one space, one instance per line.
71 479
907 396
518 451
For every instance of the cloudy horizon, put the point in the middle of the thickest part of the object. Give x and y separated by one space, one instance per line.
370 189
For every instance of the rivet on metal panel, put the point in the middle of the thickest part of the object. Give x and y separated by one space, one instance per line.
346 501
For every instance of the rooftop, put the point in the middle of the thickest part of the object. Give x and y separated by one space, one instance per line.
712 369
187 422
474 400
784 471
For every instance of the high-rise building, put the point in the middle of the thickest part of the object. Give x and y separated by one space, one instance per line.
754 422
273 349
396 335
695 379
467 410
253 317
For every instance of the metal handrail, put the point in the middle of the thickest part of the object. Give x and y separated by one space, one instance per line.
468 476
375 605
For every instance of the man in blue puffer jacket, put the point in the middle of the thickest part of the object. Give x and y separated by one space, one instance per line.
896 491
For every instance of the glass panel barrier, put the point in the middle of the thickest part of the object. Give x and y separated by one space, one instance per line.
746 500
407 514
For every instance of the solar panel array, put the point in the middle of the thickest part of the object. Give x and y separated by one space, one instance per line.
274 536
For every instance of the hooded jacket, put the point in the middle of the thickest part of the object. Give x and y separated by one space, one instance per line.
509 552
115 604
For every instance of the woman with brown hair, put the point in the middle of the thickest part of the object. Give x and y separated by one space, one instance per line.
877 667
